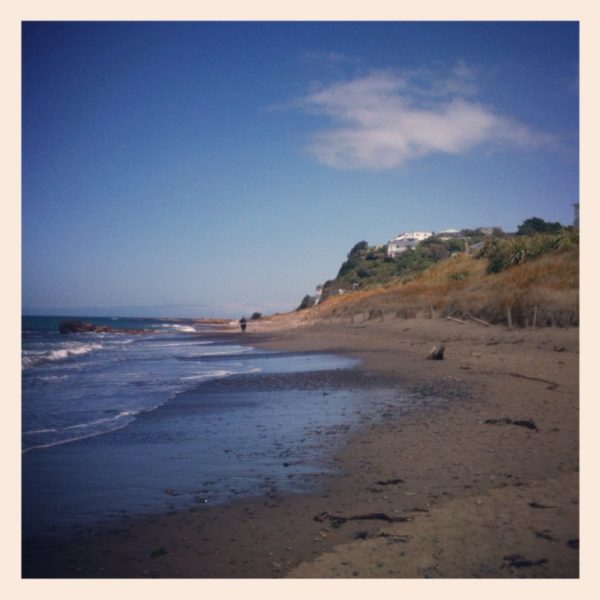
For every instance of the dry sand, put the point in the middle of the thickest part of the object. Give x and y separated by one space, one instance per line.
485 484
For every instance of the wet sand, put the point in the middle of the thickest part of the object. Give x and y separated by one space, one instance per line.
481 481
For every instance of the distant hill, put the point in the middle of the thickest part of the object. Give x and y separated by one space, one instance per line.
536 276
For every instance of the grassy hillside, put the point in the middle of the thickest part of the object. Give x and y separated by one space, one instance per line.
368 266
537 274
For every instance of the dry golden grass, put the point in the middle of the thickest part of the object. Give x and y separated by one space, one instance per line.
460 286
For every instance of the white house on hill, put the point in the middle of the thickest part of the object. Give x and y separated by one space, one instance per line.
406 240
448 234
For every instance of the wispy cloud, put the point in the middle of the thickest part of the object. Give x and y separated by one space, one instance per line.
384 119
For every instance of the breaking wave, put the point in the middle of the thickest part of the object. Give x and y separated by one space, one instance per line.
31 358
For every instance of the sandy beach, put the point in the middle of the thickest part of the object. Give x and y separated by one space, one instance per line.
481 481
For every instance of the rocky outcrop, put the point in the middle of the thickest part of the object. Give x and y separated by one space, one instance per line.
74 326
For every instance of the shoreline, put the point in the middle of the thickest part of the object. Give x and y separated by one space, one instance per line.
494 499
475 460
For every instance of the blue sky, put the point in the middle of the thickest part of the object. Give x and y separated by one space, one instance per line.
194 169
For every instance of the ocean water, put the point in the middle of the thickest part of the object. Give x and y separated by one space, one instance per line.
80 385
120 424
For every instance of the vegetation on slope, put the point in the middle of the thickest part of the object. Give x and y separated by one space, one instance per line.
368 266
502 254
535 276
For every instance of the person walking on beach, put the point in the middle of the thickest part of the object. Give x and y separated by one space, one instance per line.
243 323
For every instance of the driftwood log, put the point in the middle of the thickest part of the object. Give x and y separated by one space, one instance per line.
337 520
456 320
480 321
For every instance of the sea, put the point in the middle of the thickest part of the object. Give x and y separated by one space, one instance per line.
116 425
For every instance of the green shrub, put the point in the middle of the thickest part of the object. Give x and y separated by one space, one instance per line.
504 253
536 225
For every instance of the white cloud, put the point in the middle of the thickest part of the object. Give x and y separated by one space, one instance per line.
385 119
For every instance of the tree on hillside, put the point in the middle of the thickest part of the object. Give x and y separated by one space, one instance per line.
537 225
358 249
307 302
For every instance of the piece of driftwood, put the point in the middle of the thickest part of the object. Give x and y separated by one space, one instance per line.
337 520
437 353
480 321
528 423
519 562
551 384
544 536
456 320
535 504
503 421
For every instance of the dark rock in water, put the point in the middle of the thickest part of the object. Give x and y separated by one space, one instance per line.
74 326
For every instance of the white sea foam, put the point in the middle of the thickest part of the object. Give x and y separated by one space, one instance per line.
185 328
53 377
83 426
208 375
177 327
73 439
238 350
31 358
183 344
219 373
39 431
124 413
